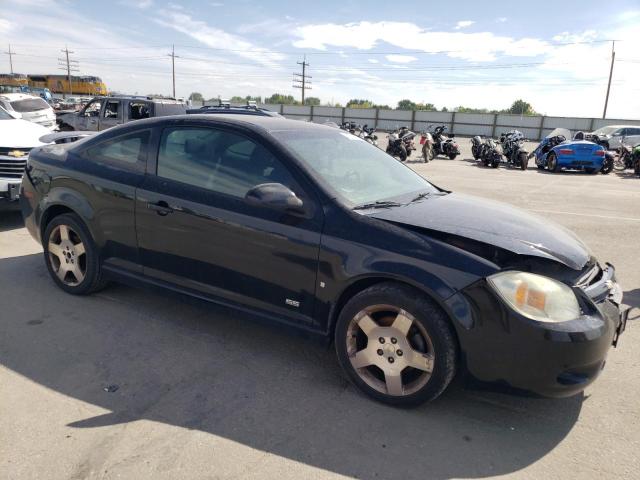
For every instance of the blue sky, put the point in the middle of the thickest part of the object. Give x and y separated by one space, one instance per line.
479 54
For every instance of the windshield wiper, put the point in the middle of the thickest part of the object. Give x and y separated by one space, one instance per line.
378 204
420 196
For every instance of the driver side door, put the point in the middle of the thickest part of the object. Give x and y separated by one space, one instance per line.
89 116
196 230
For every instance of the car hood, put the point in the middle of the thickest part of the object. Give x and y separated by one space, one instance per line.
493 223
21 133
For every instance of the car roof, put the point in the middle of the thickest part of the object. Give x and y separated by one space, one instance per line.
265 123
17 96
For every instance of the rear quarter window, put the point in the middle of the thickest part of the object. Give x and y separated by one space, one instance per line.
126 151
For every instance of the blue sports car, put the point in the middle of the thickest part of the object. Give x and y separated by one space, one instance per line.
558 151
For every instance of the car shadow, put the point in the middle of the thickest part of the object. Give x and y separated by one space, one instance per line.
142 355
632 299
10 220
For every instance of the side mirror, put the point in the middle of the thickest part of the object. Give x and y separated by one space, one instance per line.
276 197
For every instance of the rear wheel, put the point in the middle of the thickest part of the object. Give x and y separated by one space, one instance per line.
619 163
552 162
452 156
71 255
396 345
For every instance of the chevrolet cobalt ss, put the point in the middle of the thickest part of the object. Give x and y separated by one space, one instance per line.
310 227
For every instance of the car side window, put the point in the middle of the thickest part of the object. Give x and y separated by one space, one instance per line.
219 161
127 150
139 110
93 109
112 109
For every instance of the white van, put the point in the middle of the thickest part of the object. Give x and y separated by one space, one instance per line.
30 107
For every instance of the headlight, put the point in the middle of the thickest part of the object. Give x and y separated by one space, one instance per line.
537 297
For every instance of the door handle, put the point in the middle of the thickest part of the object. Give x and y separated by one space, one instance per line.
161 208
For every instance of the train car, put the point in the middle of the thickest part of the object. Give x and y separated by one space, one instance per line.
80 85
14 79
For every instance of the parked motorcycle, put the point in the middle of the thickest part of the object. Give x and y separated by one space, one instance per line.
623 158
426 140
491 153
512 143
477 147
368 134
401 143
444 145
635 156
607 165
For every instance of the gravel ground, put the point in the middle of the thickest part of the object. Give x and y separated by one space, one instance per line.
131 384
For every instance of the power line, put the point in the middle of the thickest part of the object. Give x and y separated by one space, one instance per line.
300 79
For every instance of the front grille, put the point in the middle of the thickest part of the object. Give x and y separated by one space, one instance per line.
11 166
4 151
590 277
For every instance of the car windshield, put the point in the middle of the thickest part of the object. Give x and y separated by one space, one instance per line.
352 169
29 104
605 130
4 115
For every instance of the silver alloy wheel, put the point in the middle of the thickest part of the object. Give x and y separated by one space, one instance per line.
67 255
390 351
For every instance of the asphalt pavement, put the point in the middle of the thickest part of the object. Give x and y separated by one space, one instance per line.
130 383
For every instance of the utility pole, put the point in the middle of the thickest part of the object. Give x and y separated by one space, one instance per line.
11 54
69 65
613 58
173 67
300 80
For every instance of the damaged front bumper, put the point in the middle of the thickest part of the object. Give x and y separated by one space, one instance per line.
550 359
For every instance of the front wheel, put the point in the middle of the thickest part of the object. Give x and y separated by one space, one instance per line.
523 160
71 255
619 163
401 153
396 345
452 155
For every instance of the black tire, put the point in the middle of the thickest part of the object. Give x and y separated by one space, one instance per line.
540 167
523 160
452 156
92 280
636 167
495 163
402 154
430 319
552 162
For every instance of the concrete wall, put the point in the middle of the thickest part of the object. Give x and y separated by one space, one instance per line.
486 124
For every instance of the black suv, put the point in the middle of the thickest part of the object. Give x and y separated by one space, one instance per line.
310 227
105 112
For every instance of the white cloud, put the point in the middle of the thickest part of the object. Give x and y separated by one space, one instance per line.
373 60
480 46
501 19
5 25
400 58
464 24
141 4
216 4
216 38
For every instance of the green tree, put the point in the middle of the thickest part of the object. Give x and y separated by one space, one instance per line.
520 107
278 98
360 103
406 104
196 96
444 109
312 101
